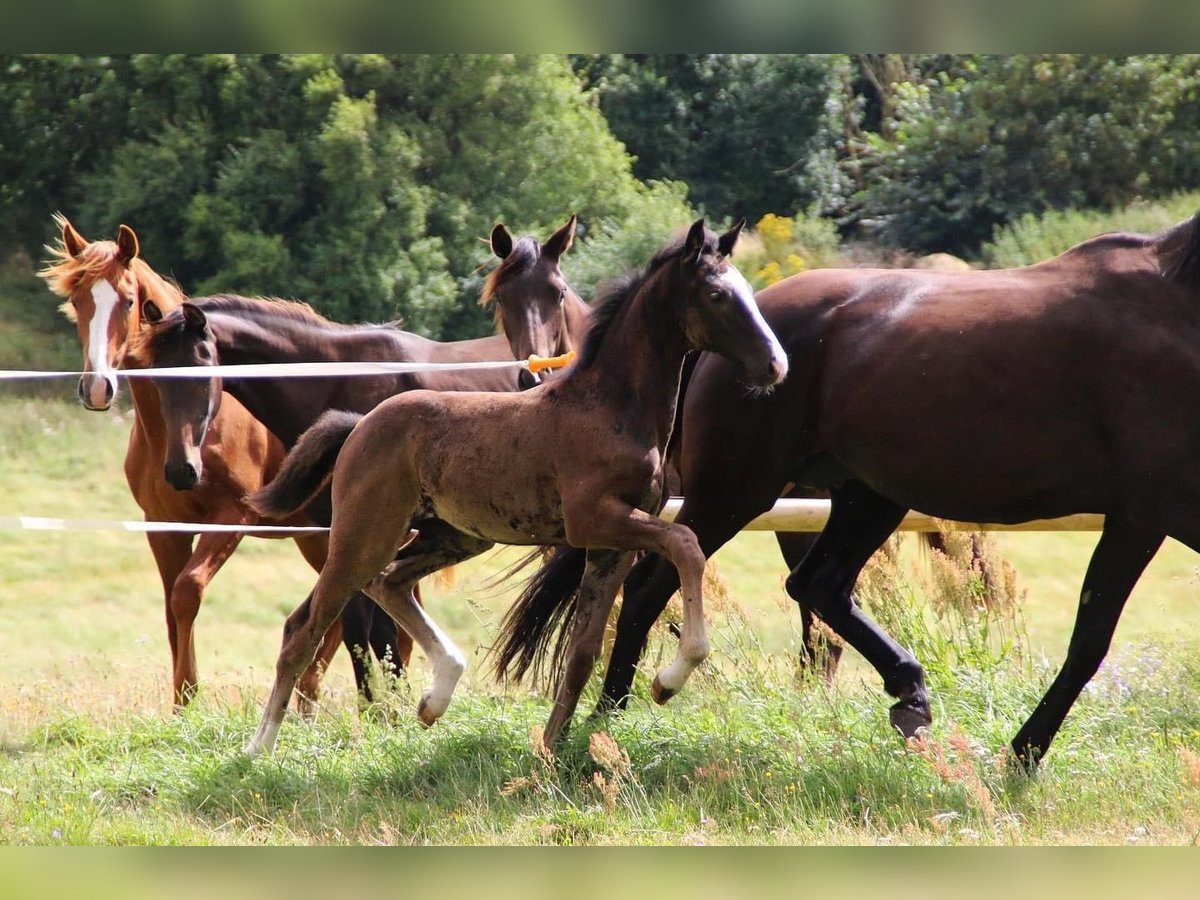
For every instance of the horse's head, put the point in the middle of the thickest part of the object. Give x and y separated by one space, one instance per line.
180 337
101 281
717 309
534 305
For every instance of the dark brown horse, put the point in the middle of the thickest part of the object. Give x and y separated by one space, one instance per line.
1065 387
539 312
581 459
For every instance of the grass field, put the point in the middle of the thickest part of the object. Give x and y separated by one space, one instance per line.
751 752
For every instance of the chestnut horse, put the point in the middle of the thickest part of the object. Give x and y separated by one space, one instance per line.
581 462
537 309
102 281
1069 386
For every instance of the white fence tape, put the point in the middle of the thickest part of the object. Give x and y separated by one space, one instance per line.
280 370
786 515
41 523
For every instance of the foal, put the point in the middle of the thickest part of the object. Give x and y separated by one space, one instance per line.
583 457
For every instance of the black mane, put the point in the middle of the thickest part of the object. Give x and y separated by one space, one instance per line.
613 295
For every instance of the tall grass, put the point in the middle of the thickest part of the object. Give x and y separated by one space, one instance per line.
1033 238
752 752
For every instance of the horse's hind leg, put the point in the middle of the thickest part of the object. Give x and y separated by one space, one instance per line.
315 550
859 522
602 577
437 546
815 648
1117 562
356 554
390 643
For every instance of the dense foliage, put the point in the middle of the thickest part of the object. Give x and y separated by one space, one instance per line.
749 135
364 183
984 140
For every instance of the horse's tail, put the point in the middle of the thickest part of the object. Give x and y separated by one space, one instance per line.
307 467
547 601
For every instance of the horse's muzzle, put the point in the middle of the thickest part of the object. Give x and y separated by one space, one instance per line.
96 392
181 476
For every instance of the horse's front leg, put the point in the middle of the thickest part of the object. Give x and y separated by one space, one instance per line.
615 524
602 577
212 550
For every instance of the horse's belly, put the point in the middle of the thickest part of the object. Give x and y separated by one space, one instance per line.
493 519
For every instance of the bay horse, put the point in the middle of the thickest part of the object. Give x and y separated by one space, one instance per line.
1068 386
538 311
582 462
102 281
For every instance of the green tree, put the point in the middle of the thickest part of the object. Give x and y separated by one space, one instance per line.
360 183
991 138
748 134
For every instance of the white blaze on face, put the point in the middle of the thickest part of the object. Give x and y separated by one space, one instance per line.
105 298
741 289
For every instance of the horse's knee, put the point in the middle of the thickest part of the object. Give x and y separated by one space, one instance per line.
819 592
185 598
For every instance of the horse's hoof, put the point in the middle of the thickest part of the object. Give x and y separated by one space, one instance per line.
425 715
660 694
1024 762
909 717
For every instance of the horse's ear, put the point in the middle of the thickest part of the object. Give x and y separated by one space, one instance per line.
193 316
127 244
694 243
726 242
502 242
560 242
73 241
150 311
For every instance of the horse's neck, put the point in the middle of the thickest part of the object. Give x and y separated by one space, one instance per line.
637 367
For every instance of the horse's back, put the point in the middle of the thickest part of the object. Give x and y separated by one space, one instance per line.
1055 378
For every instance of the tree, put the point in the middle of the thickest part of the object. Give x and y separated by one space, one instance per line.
361 183
994 137
748 134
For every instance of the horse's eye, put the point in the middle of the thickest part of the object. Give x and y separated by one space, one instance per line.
562 296
716 296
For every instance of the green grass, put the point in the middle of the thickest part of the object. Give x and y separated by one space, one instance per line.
750 752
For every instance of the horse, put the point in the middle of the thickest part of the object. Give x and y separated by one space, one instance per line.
105 283
102 282
582 461
539 312
1068 386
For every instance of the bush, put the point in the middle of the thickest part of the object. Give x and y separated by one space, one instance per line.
1033 238
780 246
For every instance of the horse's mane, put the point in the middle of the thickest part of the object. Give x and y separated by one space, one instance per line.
524 254
614 295
1179 252
63 272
